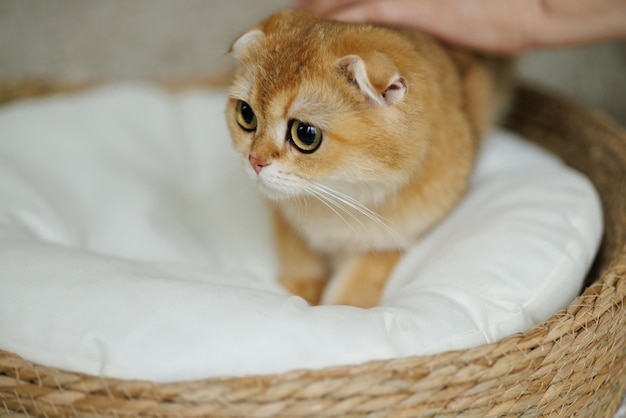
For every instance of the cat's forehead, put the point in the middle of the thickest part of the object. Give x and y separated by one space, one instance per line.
288 81
308 100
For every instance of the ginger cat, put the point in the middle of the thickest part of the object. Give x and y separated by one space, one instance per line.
362 137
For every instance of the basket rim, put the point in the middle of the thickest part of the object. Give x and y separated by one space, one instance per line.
27 386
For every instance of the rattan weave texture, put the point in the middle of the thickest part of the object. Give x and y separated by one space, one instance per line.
572 365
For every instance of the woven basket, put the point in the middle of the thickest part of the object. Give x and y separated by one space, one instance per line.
572 365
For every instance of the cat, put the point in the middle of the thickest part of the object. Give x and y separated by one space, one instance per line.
361 137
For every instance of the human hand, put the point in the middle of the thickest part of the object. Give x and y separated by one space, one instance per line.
492 25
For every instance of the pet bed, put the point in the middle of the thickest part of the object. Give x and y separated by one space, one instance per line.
472 381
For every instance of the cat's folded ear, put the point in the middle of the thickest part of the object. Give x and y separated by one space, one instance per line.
376 77
246 43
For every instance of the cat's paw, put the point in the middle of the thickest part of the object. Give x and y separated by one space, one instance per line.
357 299
360 280
309 289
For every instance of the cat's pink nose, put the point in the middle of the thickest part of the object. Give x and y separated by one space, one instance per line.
257 163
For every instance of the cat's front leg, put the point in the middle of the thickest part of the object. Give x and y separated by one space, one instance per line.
359 279
303 272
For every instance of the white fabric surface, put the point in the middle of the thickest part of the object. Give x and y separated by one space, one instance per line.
133 245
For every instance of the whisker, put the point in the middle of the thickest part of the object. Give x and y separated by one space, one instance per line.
345 203
339 203
361 208
354 203
305 203
330 203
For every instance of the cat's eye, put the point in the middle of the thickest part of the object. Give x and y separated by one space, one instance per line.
245 116
306 138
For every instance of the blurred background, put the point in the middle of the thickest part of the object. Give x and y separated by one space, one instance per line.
80 40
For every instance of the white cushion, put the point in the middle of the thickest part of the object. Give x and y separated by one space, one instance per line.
133 245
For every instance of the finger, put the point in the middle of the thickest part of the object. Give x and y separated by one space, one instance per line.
564 22
492 25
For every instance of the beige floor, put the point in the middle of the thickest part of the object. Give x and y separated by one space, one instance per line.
89 39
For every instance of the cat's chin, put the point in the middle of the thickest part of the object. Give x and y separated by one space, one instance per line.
273 194
275 185
273 191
